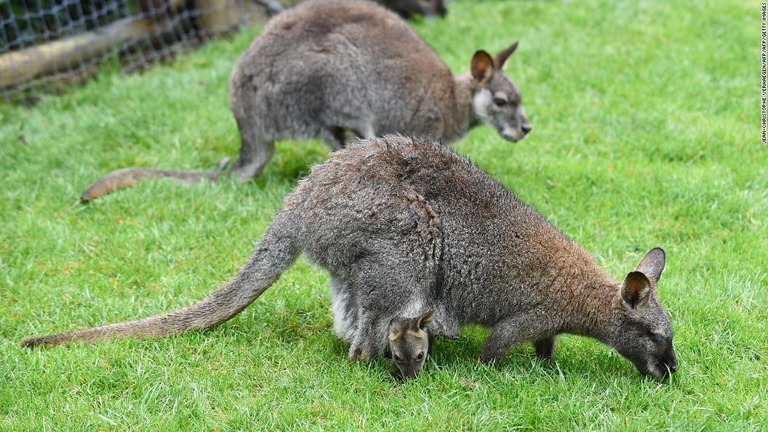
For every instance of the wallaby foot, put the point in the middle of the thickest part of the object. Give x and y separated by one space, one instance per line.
361 353
249 165
255 149
367 342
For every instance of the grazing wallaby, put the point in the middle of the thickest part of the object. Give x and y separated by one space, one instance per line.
406 225
409 343
329 67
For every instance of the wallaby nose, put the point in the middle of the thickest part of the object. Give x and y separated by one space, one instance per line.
526 128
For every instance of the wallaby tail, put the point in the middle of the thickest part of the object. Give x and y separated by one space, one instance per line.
126 177
275 253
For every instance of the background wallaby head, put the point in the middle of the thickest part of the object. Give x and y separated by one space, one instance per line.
497 101
408 8
641 330
409 343
331 69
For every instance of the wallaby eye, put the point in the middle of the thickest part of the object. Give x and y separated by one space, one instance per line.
500 102
657 338
420 356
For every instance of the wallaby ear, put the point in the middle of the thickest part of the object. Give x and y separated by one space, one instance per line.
636 290
482 66
395 329
425 319
652 264
503 55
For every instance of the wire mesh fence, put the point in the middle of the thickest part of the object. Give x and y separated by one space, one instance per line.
46 45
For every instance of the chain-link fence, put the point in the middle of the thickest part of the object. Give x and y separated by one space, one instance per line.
48 44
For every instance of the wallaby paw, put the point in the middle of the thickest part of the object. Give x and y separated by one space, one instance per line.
356 355
360 354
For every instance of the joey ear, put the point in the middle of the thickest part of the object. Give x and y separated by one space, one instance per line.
425 319
652 264
482 66
636 290
503 55
394 329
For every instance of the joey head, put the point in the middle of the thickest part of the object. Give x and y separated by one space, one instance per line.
409 343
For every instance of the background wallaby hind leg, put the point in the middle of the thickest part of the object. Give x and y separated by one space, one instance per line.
255 151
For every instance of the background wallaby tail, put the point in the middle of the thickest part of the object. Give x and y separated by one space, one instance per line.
275 253
126 177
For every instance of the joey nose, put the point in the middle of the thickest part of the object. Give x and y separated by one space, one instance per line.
526 128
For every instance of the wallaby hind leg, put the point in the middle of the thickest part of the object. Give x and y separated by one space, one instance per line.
344 310
255 152
385 294
370 336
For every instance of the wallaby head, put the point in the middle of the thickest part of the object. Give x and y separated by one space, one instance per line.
497 101
408 8
409 343
641 330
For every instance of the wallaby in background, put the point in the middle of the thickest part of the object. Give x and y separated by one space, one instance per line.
405 226
330 67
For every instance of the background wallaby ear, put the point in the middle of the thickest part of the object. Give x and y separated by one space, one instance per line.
482 66
653 264
636 290
503 55
425 319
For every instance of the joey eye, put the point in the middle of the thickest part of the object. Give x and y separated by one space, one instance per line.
500 102
657 338
420 356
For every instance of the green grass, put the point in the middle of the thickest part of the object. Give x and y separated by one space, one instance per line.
646 134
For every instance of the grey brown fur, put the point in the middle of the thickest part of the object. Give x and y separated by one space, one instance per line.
328 68
405 226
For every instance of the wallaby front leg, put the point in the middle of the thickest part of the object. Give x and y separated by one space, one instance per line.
545 348
510 332
369 339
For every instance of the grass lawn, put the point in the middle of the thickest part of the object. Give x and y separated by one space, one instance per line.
645 133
